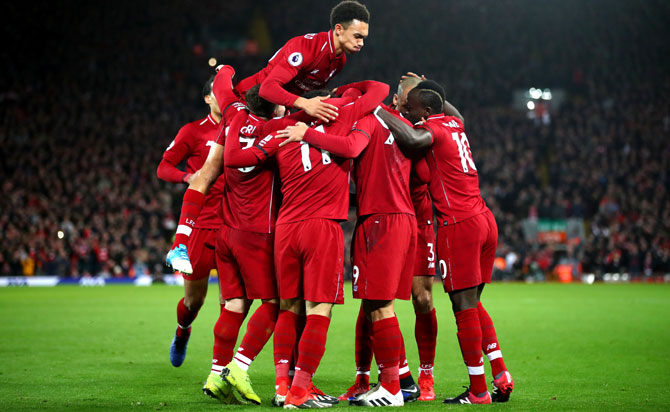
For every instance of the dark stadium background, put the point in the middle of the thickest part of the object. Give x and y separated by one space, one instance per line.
91 93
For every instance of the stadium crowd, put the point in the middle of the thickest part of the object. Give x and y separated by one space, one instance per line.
83 129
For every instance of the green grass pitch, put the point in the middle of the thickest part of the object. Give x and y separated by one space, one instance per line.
569 347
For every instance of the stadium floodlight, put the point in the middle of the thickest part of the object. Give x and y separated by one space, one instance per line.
546 94
535 93
212 62
530 105
61 234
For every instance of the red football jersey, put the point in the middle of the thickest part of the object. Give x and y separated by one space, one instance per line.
250 201
418 189
381 172
193 143
454 184
304 63
314 183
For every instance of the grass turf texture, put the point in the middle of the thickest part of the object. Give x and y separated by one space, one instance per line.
569 347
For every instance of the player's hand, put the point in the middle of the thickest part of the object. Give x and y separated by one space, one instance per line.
410 74
292 133
316 107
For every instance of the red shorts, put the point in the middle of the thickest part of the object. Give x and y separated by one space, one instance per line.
383 254
245 264
424 264
466 251
201 253
309 260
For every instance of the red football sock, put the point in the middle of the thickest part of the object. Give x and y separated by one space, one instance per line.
190 209
387 345
403 366
490 344
470 339
225 336
259 329
299 328
310 352
283 342
363 346
184 318
425 332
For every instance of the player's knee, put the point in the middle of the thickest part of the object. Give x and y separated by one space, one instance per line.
238 305
194 302
422 301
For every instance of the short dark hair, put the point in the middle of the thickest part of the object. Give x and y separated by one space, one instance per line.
207 88
431 94
317 92
258 105
347 11
432 85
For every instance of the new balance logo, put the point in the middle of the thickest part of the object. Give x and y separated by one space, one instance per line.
390 139
491 346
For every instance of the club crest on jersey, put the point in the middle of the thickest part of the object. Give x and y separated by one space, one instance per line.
295 59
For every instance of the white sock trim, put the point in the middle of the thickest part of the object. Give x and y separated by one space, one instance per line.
184 230
217 368
476 370
240 363
403 370
494 355
362 373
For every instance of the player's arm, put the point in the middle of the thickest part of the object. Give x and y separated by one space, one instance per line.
374 94
348 147
203 179
234 155
175 153
223 89
405 135
450 110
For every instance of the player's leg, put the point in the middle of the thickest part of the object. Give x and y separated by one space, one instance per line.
288 268
285 339
387 345
321 244
459 253
254 256
195 291
187 310
385 261
234 308
363 357
192 203
425 333
312 346
363 342
502 384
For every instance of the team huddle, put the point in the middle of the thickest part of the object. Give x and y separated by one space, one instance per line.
269 172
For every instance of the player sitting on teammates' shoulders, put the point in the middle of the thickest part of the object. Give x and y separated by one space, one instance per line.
309 62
